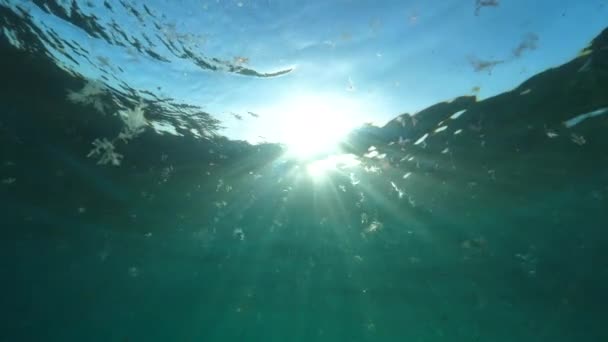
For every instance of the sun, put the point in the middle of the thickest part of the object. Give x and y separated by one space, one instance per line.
313 126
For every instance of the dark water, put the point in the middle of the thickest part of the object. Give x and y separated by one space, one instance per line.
498 233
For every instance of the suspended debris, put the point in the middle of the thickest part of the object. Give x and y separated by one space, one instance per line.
457 114
422 139
578 139
441 129
526 92
586 66
579 118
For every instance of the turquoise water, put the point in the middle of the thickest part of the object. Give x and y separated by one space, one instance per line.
490 229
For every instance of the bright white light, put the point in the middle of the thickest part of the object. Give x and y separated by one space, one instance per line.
315 125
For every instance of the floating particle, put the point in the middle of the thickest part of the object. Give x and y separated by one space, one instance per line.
372 169
578 139
411 201
238 234
484 65
103 255
586 66
422 139
9 181
353 179
133 272
526 92
479 244
399 191
374 227
528 263
484 3
371 154
104 149
441 129
457 114
579 118
414 260
351 85
529 42
412 18
370 326
492 174
551 134
361 199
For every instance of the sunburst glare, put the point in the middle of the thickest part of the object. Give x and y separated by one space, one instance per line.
313 126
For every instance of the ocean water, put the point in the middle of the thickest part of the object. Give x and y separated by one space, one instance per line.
473 220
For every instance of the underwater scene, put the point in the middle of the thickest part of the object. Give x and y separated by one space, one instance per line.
280 170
